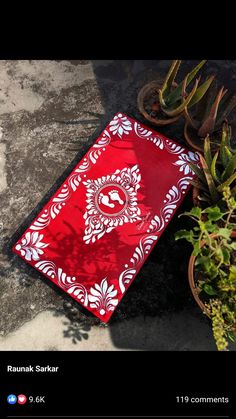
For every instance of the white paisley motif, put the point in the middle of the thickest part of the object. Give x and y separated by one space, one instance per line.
65 281
120 125
98 223
142 249
173 148
184 160
125 277
137 258
47 267
148 135
31 246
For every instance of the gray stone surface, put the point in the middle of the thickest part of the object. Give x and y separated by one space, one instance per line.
34 151
36 148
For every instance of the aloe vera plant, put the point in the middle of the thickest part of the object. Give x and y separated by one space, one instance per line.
218 169
208 115
174 99
169 99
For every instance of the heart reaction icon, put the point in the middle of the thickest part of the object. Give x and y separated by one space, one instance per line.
22 399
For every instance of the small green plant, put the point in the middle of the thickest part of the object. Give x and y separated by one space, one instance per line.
218 169
215 265
174 98
208 116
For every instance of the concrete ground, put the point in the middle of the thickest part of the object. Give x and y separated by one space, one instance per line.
38 145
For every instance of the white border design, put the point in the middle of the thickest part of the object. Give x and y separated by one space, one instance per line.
100 297
170 203
72 183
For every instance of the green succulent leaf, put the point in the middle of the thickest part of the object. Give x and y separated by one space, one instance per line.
226 183
199 172
171 112
230 168
207 151
161 99
213 168
225 155
226 135
200 92
210 181
170 78
199 185
176 94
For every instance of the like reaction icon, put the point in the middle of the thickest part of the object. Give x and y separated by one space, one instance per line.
11 399
22 399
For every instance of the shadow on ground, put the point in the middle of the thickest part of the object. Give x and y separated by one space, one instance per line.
158 311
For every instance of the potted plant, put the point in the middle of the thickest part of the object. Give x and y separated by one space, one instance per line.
212 266
207 117
218 170
163 103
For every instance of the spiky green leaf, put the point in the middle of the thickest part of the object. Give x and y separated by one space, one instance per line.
170 78
171 112
213 168
210 181
225 155
201 91
176 94
199 172
207 151
228 182
230 168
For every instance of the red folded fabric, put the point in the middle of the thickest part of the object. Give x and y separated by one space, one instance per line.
97 230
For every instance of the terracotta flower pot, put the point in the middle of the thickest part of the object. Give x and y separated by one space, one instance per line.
148 91
192 138
197 143
194 289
